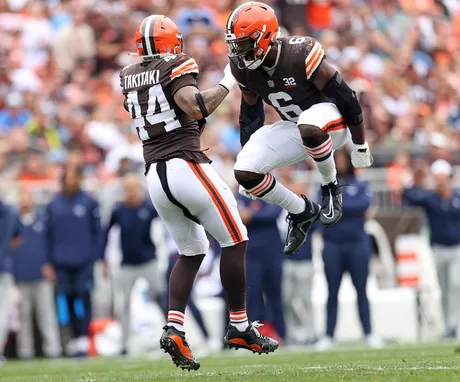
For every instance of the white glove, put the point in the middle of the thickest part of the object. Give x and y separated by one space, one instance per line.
228 81
361 156
246 194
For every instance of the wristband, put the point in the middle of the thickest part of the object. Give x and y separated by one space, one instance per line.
228 83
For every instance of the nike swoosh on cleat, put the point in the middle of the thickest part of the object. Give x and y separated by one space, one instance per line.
312 210
330 214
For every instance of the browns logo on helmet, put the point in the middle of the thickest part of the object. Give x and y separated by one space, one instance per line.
158 35
252 28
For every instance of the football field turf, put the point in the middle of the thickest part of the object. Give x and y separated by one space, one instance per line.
410 363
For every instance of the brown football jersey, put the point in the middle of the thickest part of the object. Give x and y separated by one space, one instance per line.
165 129
290 89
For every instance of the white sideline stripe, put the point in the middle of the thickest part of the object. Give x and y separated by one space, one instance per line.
378 368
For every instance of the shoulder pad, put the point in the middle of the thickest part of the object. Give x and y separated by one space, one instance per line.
183 65
314 56
126 67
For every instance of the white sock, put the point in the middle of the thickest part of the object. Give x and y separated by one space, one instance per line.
239 320
176 320
327 170
274 192
324 161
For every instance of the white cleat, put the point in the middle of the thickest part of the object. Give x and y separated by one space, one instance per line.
324 344
373 341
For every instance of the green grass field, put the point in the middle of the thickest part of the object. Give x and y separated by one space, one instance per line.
414 363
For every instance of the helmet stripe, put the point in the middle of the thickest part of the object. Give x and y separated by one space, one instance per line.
144 44
151 32
231 19
148 36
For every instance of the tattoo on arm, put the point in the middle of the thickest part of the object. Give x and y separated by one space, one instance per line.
185 99
213 97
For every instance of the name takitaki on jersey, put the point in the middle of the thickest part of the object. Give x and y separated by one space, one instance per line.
165 129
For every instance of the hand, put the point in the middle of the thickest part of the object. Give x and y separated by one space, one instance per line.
246 194
49 273
361 156
228 81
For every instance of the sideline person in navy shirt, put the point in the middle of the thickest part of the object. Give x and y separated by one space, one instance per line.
9 236
134 216
298 274
347 248
264 262
173 256
442 207
37 294
74 234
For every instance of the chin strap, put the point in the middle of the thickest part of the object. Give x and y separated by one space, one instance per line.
272 42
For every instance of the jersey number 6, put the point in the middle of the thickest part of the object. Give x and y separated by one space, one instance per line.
290 112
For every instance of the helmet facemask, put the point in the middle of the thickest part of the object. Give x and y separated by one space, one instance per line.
245 52
242 53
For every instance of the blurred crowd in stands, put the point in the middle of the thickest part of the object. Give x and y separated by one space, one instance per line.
60 101
61 107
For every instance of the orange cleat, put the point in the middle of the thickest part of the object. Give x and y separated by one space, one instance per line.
174 343
250 339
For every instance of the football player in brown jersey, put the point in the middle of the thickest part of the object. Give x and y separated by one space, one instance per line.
319 114
168 110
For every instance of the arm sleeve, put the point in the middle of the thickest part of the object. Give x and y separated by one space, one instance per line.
313 58
252 118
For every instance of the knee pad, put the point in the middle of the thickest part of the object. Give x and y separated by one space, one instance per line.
312 136
248 179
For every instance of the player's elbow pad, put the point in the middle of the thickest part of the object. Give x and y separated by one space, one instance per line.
252 118
345 99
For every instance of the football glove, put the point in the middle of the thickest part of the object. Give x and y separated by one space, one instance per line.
228 81
361 156
246 194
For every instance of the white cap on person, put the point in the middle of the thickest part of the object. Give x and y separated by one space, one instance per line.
441 167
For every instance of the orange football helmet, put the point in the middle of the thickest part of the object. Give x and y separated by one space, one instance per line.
156 36
252 29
